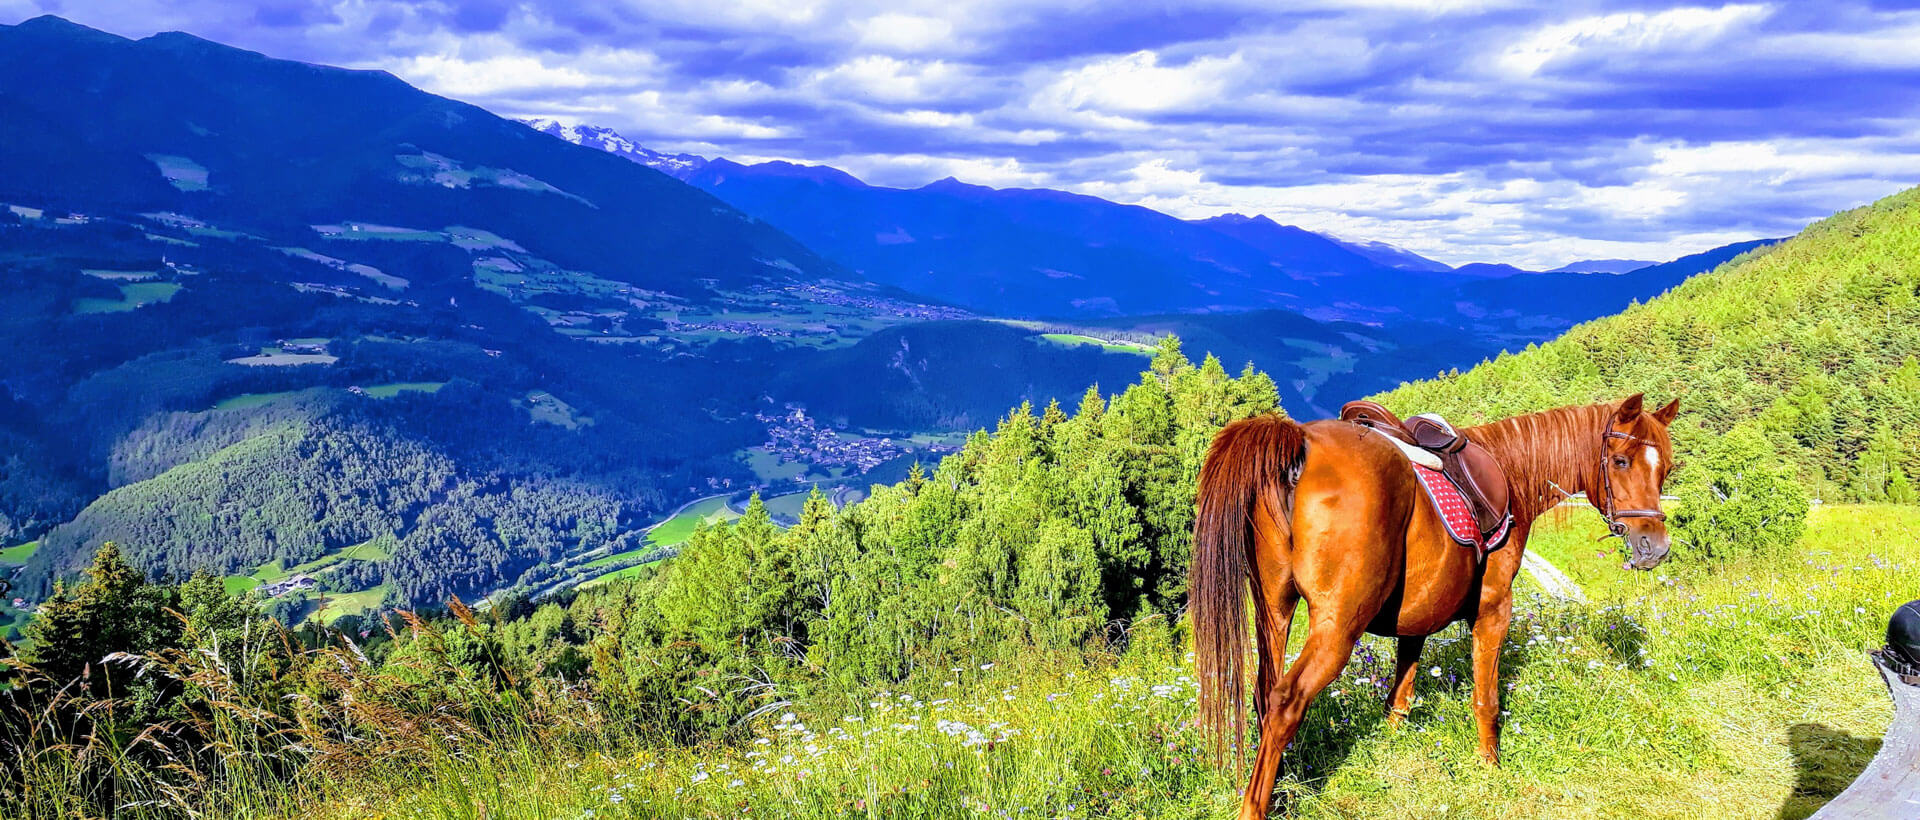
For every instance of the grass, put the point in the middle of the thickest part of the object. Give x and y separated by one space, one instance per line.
276 569
548 408
1076 340
787 507
387 391
133 295
121 275
1740 691
340 604
618 574
771 468
184 173
276 357
19 554
676 529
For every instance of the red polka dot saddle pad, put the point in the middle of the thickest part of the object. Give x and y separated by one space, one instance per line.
1455 513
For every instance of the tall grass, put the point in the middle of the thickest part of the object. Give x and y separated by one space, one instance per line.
1735 691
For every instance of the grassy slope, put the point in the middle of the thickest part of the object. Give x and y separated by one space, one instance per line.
1752 696
1836 299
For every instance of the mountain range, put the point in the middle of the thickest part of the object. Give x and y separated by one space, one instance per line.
1048 253
266 318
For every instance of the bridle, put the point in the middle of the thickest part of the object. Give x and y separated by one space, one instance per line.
1608 512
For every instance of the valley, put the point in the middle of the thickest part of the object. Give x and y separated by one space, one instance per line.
371 449
477 314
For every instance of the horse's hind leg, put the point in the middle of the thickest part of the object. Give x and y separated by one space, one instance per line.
1275 599
1406 660
1328 647
1274 620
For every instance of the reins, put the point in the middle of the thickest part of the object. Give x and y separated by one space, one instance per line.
1608 512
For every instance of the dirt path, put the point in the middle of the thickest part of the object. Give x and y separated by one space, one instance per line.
1555 582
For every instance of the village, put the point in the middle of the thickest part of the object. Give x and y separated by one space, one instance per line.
797 437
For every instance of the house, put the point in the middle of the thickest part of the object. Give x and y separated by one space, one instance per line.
292 583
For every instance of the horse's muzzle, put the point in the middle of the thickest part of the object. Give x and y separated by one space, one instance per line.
1647 546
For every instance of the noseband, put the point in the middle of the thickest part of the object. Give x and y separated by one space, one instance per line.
1608 512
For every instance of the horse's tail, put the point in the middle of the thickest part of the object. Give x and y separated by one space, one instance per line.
1251 460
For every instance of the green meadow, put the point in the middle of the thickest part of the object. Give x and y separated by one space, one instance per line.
1742 687
133 295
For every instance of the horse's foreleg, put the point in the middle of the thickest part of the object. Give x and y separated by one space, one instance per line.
1489 634
1329 645
1406 660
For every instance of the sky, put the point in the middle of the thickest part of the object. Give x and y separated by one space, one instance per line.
1527 133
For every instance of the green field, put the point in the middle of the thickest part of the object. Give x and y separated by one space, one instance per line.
1744 688
618 574
548 408
133 295
338 604
184 173
676 529
387 391
1076 340
246 400
276 357
787 507
770 468
19 554
121 275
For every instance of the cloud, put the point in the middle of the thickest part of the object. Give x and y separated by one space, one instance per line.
1468 130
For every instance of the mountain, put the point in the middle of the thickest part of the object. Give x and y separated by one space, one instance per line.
1038 252
172 123
1805 351
1392 256
271 320
1603 266
1526 304
1489 270
678 166
1294 248
264 317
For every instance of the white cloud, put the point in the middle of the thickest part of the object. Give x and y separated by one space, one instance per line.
1618 36
1138 84
904 33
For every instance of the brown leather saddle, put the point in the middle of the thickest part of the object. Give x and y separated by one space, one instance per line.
1470 468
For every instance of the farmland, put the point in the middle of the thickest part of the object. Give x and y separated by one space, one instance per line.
133 295
1075 339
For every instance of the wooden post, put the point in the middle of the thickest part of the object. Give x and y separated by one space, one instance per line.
1890 787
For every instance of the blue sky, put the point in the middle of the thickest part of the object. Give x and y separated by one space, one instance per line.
1518 132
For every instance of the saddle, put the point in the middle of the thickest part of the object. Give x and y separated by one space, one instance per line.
1473 498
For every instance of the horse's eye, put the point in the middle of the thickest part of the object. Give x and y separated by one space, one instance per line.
1620 462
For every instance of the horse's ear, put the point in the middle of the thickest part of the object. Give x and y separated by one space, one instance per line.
1666 414
1630 409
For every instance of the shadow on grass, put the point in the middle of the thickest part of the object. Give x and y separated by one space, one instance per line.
1334 727
1825 762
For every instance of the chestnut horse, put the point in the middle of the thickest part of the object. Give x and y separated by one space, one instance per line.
1331 512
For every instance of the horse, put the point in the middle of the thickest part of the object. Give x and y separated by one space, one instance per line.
1331 512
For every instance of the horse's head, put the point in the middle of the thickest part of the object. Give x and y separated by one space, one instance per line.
1636 456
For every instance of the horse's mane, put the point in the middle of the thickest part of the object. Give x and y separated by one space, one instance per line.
1547 455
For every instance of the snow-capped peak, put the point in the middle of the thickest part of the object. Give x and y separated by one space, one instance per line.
678 166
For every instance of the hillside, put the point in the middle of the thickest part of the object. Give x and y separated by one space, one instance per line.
221 267
261 313
1527 306
174 123
1039 252
1811 344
